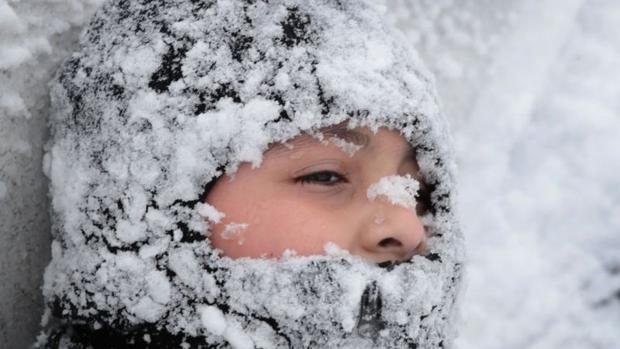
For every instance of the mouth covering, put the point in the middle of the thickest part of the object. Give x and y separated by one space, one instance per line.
162 98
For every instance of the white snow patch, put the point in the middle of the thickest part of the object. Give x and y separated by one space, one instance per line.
289 253
158 286
332 249
9 21
282 81
236 337
399 190
156 219
154 249
13 104
234 231
215 322
130 232
147 309
379 54
348 147
185 265
22 147
140 61
212 319
12 56
129 262
354 285
210 212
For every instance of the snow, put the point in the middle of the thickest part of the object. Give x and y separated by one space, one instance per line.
13 104
399 190
213 319
237 339
235 231
12 56
130 232
531 91
154 249
158 287
142 123
215 322
34 38
332 249
536 147
9 20
348 147
185 266
147 309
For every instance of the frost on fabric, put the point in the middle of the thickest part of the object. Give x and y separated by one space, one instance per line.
399 190
214 321
165 97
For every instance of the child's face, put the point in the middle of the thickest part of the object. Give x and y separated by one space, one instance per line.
306 194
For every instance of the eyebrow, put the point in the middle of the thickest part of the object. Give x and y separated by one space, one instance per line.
339 131
342 132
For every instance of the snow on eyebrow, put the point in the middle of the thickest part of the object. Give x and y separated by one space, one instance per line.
347 139
341 131
399 190
347 147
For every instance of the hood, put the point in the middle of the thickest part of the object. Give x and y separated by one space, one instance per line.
162 98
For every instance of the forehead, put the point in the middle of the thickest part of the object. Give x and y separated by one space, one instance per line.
358 136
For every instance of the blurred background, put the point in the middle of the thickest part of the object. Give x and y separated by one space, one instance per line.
532 89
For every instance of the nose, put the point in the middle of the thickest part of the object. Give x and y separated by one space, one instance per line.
391 232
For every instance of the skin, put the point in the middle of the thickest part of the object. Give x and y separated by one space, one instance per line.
308 193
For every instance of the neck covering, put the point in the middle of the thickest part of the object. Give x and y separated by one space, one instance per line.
162 98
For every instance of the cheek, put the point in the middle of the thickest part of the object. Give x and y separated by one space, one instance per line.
274 226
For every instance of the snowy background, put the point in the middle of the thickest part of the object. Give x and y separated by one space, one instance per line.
532 88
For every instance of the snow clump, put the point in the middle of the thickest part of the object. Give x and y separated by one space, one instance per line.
399 190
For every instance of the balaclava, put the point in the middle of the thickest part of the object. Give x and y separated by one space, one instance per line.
161 99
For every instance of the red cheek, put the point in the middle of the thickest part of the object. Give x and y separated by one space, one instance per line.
288 219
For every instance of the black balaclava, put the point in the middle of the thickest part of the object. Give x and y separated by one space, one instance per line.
165 96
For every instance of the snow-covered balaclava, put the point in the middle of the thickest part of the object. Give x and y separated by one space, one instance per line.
164 97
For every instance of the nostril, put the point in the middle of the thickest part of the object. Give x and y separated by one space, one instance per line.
390 242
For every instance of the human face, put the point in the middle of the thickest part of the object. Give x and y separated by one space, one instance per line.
307 193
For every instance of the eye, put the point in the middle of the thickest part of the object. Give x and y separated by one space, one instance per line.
327 178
